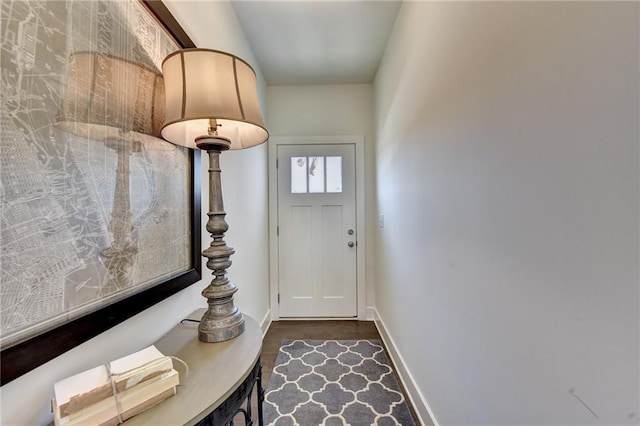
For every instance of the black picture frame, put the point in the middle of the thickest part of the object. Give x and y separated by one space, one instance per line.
23 357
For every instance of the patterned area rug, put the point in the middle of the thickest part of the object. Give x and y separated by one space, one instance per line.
334 382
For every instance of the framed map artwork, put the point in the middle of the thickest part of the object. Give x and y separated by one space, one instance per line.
99 215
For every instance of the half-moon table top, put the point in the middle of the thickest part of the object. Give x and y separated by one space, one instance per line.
215 371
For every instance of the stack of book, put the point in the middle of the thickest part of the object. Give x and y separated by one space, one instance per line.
107 395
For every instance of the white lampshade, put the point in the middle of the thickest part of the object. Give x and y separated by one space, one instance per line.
106 96
204 84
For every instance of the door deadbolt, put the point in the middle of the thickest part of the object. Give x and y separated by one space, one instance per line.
350 232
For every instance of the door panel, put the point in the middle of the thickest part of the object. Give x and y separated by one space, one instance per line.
331 253
316 211
302 257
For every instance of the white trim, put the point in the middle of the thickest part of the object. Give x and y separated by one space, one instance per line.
265 323
419 402
371 313
358 141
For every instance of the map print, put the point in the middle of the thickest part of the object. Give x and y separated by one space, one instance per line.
86 218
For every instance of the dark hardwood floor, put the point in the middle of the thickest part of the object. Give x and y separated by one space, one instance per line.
315 330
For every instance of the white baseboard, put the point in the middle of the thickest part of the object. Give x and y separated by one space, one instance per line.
419 402
265 323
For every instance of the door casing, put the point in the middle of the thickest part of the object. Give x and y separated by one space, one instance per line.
356 140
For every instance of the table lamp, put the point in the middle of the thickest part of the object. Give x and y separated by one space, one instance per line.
212 104
120 103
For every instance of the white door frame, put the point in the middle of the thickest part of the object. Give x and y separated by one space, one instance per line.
273 143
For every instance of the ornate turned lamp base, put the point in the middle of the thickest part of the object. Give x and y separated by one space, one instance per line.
222 321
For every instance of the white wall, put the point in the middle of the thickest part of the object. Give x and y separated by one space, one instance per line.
507 161
330 110
26 401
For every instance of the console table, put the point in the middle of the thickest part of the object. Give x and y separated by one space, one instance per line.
221 378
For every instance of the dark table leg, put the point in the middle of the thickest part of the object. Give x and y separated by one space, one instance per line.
260 396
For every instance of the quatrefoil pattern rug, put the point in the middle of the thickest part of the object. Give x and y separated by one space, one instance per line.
334 382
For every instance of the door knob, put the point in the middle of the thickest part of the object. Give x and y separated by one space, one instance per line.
351 244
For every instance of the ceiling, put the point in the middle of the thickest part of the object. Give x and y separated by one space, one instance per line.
317 42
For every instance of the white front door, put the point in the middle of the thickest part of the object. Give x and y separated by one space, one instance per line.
317 242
